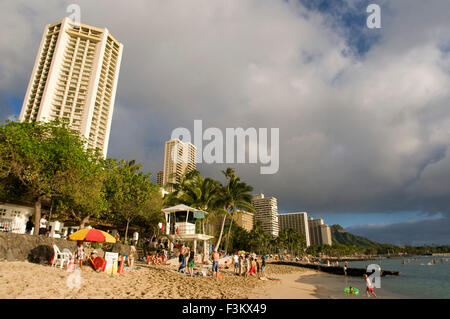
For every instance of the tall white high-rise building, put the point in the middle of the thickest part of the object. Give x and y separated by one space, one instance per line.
267 213
297 221
75 78
179 159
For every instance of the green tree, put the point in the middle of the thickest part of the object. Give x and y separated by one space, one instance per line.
130 192
84 192
43 157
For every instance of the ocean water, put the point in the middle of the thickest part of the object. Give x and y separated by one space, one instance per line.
419 278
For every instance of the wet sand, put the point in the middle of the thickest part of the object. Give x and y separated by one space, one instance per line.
290 287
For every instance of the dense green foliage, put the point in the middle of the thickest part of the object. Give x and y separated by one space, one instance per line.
49 161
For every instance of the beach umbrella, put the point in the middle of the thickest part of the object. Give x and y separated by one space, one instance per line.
93 235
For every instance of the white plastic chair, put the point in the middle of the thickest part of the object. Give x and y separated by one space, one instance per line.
68 252
60 257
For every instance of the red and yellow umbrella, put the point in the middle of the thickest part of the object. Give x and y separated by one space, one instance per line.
92 234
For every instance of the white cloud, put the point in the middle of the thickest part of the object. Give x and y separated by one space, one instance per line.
357 133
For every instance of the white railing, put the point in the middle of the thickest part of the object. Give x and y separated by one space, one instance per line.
7 225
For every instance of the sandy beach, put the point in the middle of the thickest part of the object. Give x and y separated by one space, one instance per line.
290 287
34 281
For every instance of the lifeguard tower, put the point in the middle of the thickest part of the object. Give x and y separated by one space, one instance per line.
180 225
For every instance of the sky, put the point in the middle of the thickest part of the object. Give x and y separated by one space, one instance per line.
362 113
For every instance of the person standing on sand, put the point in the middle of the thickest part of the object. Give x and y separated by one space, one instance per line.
79 254
263 266
247 265
191 262
181 259
369 287
215 265
252 267
236 263
241 260
43 225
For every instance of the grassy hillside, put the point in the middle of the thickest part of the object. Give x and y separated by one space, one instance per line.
341 236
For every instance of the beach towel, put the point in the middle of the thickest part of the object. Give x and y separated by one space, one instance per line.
97 263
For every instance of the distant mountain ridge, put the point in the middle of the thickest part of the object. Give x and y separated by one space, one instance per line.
340 236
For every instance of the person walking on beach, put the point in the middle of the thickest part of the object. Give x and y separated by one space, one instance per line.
191 262
215 265
369 287
345 268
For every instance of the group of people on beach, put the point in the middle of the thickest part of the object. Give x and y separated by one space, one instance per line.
96 261
247 264
186 254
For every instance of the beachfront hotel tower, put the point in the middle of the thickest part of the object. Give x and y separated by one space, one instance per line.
267 213
75 78
297 221
179 159
319 233
160 178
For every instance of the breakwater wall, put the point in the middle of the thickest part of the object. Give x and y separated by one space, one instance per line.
355 272
38 248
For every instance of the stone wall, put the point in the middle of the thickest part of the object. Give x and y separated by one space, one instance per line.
18 247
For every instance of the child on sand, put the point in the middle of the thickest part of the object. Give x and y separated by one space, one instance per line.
369 287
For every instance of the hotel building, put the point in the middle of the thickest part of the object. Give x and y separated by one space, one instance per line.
179 158
245 220
267 213
319 233
160 178
75 78
297 221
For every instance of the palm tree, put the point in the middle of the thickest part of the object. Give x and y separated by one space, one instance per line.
236 195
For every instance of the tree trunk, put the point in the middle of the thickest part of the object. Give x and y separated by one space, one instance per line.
228 237
221 232
126 231
37 215
84 221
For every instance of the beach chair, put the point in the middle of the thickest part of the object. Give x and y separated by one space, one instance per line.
60 257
